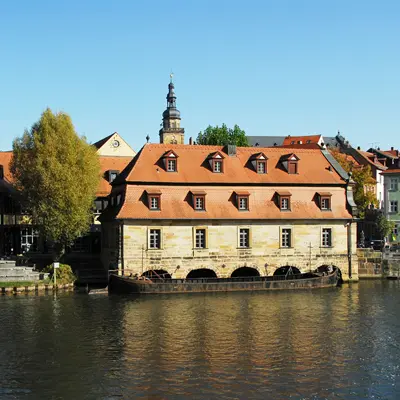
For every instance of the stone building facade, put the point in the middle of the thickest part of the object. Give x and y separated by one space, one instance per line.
192 221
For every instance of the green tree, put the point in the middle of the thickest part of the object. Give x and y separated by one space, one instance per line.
58 173
365 184
221 136
385 227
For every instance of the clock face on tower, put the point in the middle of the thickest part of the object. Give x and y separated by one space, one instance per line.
115 143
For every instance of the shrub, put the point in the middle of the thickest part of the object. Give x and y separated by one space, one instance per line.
64 273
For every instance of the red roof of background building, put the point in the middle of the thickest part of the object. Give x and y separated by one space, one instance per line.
106 164
310 139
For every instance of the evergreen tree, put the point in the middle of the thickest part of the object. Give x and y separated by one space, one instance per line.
57 173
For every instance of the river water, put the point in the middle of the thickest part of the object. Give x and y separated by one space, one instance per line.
341 343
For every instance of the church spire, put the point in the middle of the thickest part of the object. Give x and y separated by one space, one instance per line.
171 131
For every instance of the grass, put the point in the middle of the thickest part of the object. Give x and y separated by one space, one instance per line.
24 283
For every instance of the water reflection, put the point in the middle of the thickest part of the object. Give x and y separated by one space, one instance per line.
324 344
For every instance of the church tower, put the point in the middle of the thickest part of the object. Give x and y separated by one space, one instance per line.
171 131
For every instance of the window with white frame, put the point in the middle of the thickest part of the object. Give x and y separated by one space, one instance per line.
200 239
29 238
244 237
286 237
285 203
394 184
199 203
326 237
171 165
243 203
155 239
325 203
261 167
154 202
393 206
217 166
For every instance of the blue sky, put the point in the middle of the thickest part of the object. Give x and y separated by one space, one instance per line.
272 67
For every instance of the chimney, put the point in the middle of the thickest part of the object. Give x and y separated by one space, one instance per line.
358 148
231 150
190 140
392 148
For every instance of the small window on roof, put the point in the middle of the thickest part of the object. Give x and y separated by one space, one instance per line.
290 163
216 161
154 199
242 200
284 200
170 159
112 174
199 200
324 199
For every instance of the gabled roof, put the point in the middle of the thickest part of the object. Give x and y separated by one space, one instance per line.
101 142
289 157
371 159
144 167
258 156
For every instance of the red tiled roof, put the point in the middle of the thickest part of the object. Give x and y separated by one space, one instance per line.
220 204
392 152
370 157
193 166
5 158
110 163
145 173
303 139
106 163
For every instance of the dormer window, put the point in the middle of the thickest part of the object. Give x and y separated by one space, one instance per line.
171 165
259 163
290 163
170 159
242 199
217 166
154 199
111 175
325 201
199 200
216 161
284 201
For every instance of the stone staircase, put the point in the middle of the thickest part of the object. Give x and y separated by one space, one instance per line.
9 272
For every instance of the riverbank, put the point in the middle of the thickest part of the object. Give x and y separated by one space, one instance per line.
32 287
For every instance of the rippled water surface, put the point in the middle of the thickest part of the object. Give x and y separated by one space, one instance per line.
324 344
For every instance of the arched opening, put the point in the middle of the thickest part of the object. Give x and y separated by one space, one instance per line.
201 273
154 274
287 270
327 269
244 272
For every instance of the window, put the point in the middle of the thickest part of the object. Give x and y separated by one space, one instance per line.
28 239
200 239
217 166
393 206
285 203
171 165
324 199
154 202
155 239
261 167
199 203
243 203
286 237
244 237
112 175
326 237
119 198
325 203
394 184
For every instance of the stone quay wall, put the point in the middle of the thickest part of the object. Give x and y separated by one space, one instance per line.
178 255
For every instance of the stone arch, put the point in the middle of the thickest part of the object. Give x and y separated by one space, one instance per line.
285 269
325 270
244 272
201 273
157 274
